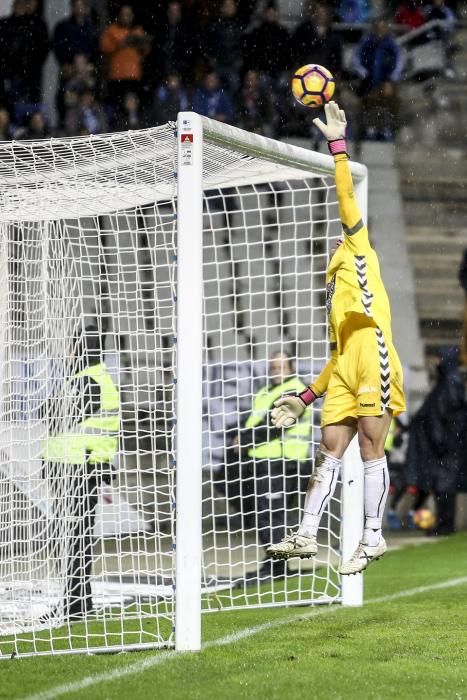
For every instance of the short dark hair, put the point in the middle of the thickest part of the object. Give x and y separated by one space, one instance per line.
288 355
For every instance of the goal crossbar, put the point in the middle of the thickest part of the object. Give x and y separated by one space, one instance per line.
297 160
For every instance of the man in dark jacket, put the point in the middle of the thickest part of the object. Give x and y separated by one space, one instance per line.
314 41
73 36
435 453
177 47
24 46
378 63
225 45
268 46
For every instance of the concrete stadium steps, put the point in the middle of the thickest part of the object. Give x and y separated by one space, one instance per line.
435 207
433 178
434 112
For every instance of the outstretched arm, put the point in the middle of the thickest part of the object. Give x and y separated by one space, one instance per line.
349 211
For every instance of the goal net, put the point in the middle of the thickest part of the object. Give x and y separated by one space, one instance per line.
101 370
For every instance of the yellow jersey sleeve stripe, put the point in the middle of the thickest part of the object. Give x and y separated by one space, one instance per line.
355 229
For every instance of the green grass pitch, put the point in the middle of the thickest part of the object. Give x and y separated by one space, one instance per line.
408 641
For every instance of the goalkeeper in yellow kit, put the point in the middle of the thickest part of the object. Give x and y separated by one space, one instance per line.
362 381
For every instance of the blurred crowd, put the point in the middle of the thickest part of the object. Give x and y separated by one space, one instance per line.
230 60
427 456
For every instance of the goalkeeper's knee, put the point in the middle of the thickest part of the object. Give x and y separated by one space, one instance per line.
323 465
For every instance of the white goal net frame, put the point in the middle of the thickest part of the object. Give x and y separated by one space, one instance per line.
198 252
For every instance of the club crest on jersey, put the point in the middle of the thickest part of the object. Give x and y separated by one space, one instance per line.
330 289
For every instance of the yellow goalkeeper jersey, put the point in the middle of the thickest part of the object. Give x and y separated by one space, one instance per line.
355 293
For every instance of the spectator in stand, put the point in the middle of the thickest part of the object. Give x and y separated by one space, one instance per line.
212 100
87 116
82 74
126 46
354 11
82 79
176 46
378 63
314 40
225 45
24 46
410 14
6 131
268 47
169 99
438 9
74 36
435 453
130 114
36 128
173 43
463 282
245 11
254 108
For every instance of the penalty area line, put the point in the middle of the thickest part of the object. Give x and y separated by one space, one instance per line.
166 656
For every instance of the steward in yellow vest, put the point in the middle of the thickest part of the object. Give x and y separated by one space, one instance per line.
272 459
269 443
76 462
94 439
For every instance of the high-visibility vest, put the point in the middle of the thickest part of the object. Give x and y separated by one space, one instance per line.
294 443
95 439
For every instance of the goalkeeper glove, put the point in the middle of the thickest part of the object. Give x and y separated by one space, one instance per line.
289 408
334 129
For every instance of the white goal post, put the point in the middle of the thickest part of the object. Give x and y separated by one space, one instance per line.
195 253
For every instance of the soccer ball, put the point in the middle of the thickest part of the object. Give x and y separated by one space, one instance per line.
313 85
424 519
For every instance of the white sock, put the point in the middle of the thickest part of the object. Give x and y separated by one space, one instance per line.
320 489
376 487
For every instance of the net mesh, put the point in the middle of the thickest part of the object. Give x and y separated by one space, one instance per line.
77 545
266 248
88 236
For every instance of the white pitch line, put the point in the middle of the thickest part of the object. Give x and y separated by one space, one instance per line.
164 656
